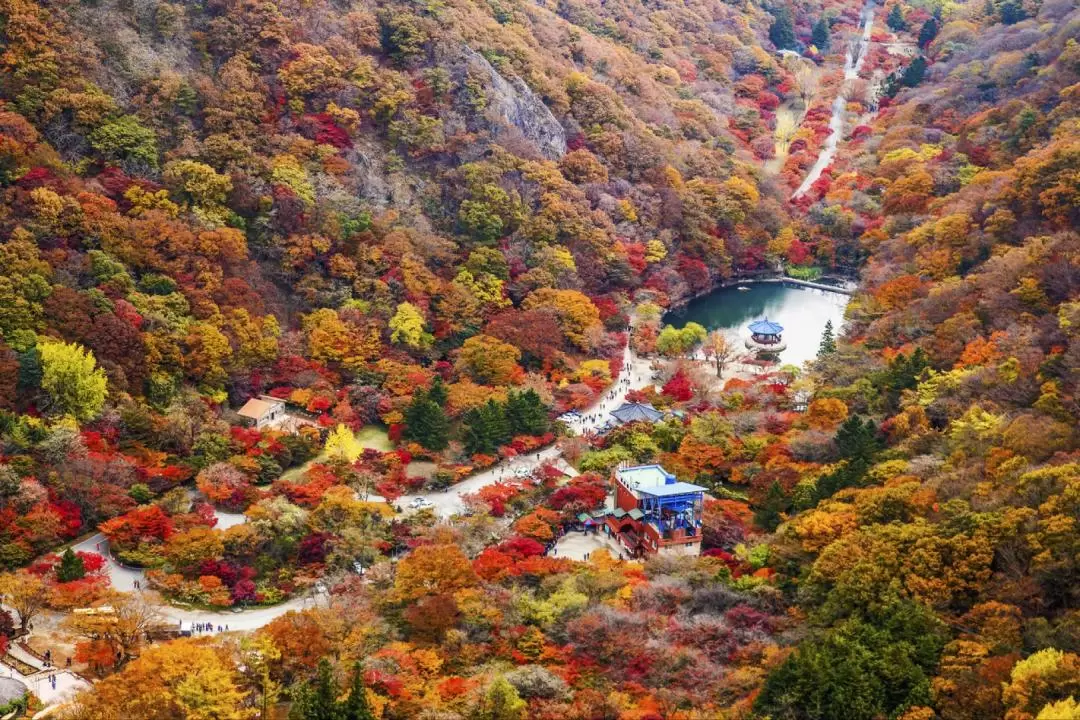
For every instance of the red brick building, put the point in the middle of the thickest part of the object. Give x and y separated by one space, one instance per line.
654 512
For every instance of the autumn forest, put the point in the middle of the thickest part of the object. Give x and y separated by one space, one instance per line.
342 372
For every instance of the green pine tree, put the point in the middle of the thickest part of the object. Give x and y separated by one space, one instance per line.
486 428
71 567
903 373
768 514
895 20
820 34
317 700
1012 11
426 423
526 413
857 440
828 341
782 32
437 392
928 32
356 707
915 72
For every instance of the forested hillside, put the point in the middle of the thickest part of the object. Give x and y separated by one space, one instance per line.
425 228
325 201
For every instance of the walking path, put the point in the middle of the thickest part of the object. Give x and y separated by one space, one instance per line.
123 577
40 682
852 65
636 371
68 685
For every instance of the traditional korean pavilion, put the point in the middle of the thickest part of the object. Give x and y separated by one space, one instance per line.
765 336
635 412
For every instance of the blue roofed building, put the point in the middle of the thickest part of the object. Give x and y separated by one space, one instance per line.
655 513
765 336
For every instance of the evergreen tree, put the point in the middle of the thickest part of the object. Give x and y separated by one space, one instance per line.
486 428
1012 12
915 72
437 392
768 514
828 342
903 373
317 700
820 34
857 440
896 21
526 413
71 567
782 32
426 422
356 707
870 668
928 32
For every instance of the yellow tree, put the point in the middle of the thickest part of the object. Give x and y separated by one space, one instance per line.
72 379
489 360
187 550
342 445
1038 680
576 312
25 593
185 678
407 327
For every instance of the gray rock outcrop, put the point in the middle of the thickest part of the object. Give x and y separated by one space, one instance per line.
514 109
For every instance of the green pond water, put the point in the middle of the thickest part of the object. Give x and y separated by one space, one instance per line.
802 312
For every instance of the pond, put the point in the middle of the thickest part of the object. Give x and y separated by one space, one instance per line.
802 311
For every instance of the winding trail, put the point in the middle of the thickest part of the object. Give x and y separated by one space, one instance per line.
445 504
853 62
449 502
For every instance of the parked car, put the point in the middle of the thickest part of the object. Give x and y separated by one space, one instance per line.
419 502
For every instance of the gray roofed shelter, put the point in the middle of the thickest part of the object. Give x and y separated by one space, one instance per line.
12 689
675 488
635 412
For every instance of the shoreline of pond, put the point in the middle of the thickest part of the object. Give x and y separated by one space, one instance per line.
800 305
771 279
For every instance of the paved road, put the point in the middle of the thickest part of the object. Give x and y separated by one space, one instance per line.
251 619
639 375
68 684
636 374
124 578
853 62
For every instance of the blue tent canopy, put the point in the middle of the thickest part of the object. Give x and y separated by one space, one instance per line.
764 327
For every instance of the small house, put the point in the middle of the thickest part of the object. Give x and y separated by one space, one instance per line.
263 411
